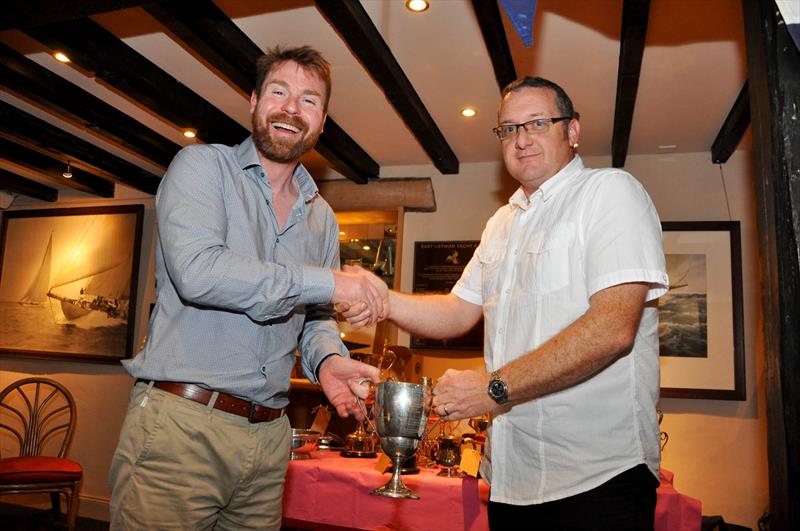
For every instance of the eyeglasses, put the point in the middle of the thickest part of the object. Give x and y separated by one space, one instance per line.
537 126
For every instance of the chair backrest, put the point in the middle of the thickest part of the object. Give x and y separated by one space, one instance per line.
40 414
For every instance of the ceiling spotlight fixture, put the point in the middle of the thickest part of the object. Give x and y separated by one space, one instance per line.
417 6
468 112
67 173
189 133
61 57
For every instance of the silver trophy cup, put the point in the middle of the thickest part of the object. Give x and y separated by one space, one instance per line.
400 413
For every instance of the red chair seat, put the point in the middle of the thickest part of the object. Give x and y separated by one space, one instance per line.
38 469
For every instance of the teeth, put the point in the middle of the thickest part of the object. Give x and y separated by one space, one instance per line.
283 125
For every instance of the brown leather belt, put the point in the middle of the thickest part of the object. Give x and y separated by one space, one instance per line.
225 402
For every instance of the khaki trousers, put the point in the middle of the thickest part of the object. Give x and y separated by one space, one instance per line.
180 465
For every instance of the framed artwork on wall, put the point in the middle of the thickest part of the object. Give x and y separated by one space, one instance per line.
68 280
701 319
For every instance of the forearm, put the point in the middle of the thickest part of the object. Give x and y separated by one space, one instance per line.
591 343
438 316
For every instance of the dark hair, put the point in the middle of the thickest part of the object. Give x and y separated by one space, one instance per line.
563 102
305 56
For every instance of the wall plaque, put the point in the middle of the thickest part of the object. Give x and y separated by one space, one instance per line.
437 267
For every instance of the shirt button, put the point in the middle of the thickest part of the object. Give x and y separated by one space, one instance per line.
508 291
263 370
500 330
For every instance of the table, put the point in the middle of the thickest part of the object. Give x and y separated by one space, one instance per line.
330 492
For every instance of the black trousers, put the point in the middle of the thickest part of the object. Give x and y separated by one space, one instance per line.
626 502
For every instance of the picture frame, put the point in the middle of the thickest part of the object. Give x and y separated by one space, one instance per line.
68 282
701 323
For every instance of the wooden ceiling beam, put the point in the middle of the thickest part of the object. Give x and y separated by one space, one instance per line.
414 194
204 28
29 13
52 169
26 129
494 36
352 22
732 130
94 49
30 81
635 15
20 185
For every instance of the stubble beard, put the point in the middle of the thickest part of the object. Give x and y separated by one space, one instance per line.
279 149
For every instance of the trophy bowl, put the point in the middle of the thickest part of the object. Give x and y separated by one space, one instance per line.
400 414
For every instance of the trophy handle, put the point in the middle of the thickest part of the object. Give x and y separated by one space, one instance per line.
363 405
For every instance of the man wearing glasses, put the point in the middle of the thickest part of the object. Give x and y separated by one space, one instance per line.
566 276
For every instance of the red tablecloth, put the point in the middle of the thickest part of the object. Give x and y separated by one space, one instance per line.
331 491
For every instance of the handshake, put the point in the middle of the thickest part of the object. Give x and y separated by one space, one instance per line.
361 297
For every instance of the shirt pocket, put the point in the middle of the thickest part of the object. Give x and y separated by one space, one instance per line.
491 259
545 266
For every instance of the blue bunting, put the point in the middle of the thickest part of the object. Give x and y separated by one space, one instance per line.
521 13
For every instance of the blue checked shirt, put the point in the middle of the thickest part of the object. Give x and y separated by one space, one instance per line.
237 294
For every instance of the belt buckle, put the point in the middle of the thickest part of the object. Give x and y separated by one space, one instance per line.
251 412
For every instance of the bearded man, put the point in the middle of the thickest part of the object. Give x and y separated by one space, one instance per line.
247 269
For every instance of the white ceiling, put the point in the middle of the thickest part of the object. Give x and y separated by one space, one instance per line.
693 68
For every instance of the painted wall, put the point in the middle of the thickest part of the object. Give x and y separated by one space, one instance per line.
717 449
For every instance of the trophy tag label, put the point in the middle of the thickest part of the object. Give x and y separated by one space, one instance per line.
383 463
470 461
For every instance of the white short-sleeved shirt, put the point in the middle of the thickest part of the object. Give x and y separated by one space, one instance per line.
536 267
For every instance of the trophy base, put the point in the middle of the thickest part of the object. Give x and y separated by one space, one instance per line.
392 492
357 453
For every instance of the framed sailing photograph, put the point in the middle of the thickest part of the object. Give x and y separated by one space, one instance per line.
701 338
68 281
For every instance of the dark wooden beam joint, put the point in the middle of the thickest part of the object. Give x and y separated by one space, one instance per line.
29 130
352 22
733 128
95 49
494 36
20 185
635 15
204 28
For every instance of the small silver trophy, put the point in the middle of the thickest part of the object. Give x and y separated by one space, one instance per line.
401 413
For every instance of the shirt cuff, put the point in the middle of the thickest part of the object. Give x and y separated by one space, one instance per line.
316 369
317 286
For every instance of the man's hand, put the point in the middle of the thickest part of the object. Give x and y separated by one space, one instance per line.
359 314
362 293
340 379
463 394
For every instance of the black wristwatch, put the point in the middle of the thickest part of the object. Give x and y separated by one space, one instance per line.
498 389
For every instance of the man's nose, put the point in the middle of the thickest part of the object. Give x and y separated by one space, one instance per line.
290 105
522 138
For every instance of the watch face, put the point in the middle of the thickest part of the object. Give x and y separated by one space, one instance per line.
497 390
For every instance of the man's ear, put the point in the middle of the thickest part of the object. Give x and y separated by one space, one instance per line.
253 101
573 131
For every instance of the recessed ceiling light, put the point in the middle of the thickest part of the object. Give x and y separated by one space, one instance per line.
61 56
417 6
342 233
667 147
189 133
366 247
468 112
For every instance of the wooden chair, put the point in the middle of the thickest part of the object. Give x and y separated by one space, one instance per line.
40 415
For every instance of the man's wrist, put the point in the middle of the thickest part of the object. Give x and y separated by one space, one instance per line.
323 360
497 388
